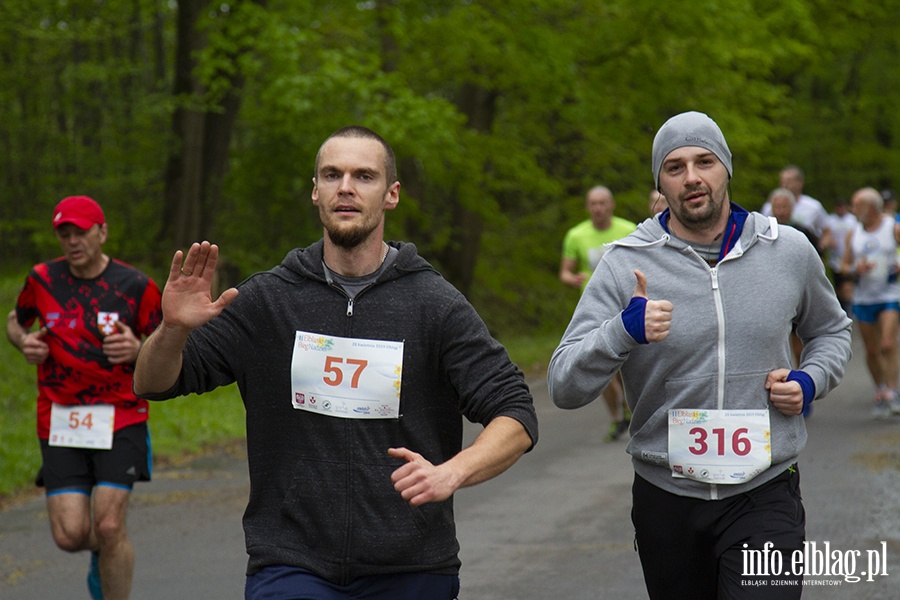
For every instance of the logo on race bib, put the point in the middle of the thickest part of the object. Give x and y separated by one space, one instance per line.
688 417
314 343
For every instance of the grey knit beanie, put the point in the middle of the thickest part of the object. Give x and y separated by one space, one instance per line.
689 129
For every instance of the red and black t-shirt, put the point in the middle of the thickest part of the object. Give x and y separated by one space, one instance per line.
78 313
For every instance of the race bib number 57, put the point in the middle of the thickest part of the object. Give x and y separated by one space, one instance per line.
719 446
346 377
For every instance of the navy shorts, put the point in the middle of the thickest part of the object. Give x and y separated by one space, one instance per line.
80 469
868 313
277 582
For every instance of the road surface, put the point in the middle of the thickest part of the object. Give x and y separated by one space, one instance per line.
555 526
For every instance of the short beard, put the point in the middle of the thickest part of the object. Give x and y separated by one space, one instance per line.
709 215
348 238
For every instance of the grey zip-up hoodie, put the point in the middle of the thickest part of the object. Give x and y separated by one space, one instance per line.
730 328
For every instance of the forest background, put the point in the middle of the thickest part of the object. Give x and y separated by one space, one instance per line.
196 120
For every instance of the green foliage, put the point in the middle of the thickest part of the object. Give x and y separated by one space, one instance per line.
507 110
532 352
190 424
846 101
85 113
19 450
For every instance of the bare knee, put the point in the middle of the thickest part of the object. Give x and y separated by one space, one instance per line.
873 354
110 508
70 521
109 529
71 539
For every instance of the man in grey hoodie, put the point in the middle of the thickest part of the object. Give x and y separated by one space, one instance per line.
696 308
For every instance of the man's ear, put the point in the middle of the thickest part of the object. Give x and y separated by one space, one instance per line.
392 196
315 192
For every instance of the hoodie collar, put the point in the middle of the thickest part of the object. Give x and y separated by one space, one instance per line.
307 262
733 228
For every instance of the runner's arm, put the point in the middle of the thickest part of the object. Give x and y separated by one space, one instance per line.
568 273
500 445
186 305
15 333
29 343
159 361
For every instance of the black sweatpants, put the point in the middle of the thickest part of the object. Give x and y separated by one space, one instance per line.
694 549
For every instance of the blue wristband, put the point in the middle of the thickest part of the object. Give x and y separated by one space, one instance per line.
633 319
806 384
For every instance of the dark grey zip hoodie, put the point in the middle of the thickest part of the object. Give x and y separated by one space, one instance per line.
730 328
321 496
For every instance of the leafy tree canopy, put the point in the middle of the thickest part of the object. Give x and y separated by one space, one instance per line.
502 115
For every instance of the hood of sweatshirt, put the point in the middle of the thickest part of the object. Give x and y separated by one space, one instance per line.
742 231
307 263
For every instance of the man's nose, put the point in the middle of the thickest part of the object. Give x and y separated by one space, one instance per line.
691 173
345 185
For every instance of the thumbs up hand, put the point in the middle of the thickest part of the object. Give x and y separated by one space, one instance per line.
640 288
657 313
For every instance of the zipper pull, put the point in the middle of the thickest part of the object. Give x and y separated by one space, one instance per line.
349 307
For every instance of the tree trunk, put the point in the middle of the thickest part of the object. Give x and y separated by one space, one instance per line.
460 256
199 159
183 187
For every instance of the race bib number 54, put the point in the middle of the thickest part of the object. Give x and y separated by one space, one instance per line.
719 446
346 377
82 426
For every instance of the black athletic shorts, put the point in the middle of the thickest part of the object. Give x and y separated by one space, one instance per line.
80 469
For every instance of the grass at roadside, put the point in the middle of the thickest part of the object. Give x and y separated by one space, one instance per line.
532 353
179 427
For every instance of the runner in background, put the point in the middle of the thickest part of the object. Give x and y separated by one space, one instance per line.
583 246
808 211
91 312
841 222
782 202
871 254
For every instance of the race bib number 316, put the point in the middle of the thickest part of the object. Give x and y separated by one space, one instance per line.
346 377
719 446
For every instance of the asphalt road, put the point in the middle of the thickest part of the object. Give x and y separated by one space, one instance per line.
555 526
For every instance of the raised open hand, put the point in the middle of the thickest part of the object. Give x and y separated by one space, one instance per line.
187 298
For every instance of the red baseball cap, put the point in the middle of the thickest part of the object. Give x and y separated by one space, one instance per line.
80 211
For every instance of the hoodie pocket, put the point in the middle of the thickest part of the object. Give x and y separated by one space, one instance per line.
387 530
316 506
